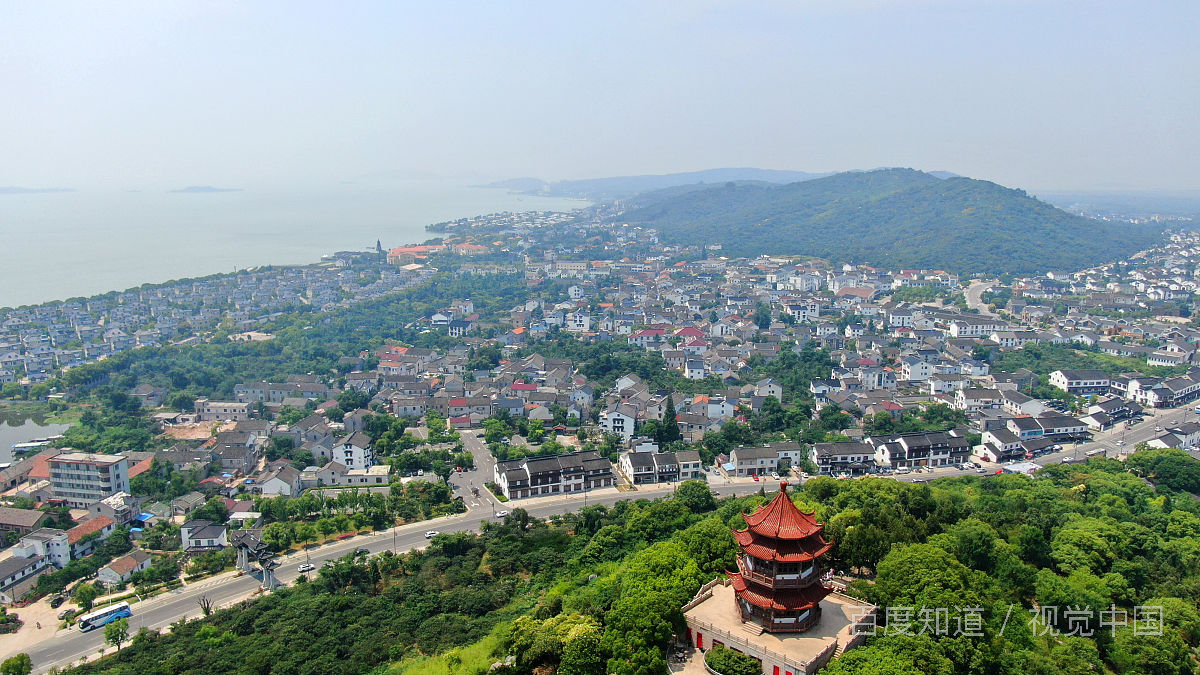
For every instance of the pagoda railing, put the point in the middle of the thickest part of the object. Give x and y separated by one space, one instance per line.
779 580
745 646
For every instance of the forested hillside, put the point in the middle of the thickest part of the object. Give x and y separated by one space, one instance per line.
891 217
600 591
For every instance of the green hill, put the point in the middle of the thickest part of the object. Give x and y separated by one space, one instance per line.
898 218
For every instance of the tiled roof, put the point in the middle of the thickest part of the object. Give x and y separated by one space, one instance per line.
87 527
782 520
788 550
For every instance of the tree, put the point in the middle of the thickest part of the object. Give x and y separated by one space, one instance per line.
728 662
670 425
20 664
117 632
696 496
85 595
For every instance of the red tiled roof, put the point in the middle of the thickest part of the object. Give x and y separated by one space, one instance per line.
87 527
41 467
457 401
792 600
787 550
141 467
782 520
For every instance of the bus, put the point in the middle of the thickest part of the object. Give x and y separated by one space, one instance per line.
104 616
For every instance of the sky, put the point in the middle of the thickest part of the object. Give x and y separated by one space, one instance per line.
1038 94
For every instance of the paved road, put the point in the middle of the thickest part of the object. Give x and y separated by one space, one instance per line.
156 613
69 646
974 295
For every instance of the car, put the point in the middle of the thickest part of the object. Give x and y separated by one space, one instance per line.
903 470
501 514
306 567
755 478
1120 443
1158 427
981 470
431 534
57 601
775 476
421 472
361 551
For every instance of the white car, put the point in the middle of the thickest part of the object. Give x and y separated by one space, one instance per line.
775 476
431 534
306 567
501 514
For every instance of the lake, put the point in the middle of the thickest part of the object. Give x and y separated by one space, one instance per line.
66 244
20 429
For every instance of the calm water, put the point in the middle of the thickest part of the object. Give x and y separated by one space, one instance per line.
14 431
66 244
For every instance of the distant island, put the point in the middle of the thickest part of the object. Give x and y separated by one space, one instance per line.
14 190
203 189
620 187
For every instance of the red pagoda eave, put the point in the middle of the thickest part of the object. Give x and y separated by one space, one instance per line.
780 519
792 600
802 550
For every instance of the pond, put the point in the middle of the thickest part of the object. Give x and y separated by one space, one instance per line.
18 426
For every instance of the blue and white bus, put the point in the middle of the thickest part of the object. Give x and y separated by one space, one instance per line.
104 616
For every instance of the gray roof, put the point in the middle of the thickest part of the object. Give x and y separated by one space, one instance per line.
20 517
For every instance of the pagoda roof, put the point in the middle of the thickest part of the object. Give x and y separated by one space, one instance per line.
780 519
789 600
787 550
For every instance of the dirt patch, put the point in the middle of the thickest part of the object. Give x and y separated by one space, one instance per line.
197 431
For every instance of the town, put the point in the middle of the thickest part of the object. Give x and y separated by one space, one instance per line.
608 377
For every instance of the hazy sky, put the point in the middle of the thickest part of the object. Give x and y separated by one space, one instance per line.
1039 94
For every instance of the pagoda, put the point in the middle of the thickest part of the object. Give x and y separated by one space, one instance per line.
778 582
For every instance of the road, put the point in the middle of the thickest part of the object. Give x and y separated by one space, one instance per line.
69 646
1110 442
974 295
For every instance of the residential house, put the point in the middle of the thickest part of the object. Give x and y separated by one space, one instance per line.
120 570
199 536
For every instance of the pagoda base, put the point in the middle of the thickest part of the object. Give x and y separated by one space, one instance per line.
713 617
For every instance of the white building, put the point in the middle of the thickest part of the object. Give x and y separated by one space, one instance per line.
81 479
354 451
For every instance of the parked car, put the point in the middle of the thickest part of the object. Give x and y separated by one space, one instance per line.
431 534
306 567
66 614
981 470
501 514
903 470
57 601
775 475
